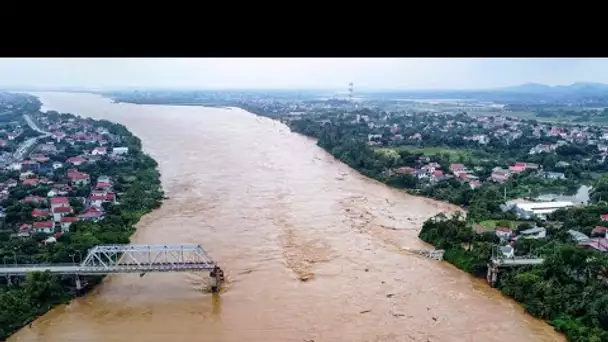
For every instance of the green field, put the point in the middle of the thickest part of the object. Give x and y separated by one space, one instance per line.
526 116
491 224
427 151
564 119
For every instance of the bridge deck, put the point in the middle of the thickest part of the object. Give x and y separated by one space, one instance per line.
108 259
100 270
517 262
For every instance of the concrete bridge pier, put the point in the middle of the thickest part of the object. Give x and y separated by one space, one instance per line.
78 282
492 276
9 280
217 279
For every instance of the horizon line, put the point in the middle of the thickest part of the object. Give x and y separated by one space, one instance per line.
237 89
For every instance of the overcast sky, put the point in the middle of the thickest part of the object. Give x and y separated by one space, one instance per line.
310 73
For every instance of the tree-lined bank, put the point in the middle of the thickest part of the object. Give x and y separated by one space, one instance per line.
51 169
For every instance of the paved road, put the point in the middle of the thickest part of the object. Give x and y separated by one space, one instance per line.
33 125
26 145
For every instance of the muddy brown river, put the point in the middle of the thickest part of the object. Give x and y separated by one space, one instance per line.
272 208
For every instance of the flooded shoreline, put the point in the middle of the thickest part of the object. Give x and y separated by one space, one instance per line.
266 204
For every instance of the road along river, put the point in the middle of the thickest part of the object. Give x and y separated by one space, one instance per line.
312 250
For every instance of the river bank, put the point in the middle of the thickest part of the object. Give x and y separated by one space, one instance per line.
270 215
133 175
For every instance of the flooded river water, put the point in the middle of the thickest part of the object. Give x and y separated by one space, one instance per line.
273 209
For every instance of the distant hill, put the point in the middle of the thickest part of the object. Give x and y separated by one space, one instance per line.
578 88
526 88
579 92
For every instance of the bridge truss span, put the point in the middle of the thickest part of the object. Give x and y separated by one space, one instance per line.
112 259
145 258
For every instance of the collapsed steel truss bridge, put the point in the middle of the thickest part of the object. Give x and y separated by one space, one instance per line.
111 259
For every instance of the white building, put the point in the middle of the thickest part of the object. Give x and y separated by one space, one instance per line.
578 236
533 233
539 209
120 150
504 233
99 151
16 166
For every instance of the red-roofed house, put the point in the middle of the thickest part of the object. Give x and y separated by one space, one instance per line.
555 132
25 230
599 244
99 151
59 136
599 231
521 167
464 176
101 185
66 222
76 161
428 169
30 181
44 227
60 212
517 169
104 179
475 184
92 214
38 213
110 197
57 202
457 167
26 175
97 200
404 170
504 232
500 176
33 199
39 158
56 192
79 178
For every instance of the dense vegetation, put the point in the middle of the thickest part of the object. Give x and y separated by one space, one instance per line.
567 290
347 141
136 180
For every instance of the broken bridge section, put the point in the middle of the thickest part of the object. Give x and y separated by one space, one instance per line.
498 262
108 259
141 259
